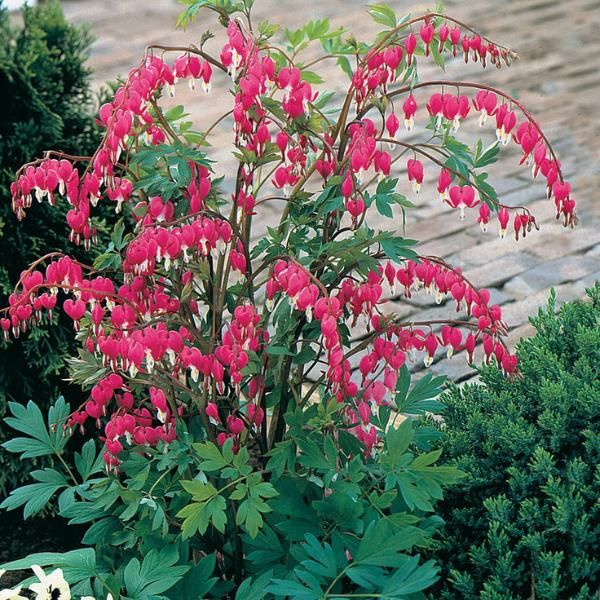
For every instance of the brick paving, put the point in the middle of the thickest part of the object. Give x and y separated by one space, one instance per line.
558 77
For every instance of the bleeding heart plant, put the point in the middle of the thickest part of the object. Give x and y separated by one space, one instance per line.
281 348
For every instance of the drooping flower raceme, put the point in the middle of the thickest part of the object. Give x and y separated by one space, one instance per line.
184 315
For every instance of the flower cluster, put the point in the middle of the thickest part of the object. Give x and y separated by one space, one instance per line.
126 117
450 109
362 155
382 65
295 282
198 238
178 326
393 342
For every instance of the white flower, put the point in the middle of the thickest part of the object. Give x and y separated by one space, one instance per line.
50 584
13 594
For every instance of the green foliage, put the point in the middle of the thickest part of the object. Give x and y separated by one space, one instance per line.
46 103
383 14
208 505
45 438
526 522
309 524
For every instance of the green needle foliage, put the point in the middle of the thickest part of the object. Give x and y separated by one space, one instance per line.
526 522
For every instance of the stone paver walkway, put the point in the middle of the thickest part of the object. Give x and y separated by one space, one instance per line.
558 77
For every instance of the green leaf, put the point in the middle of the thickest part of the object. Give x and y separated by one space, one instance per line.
117 234
77 565
249 511
175 113
240 492
426 459
294 37
197 582
264 490
413 494
194 518
189 15
88 462
279 351
410 578
366 576
100 532
486 191
292 589
107 260
218 517
383 500
422 396
311 77
156 574
321 558
437 56
397 248
316 29
197 516
398 440
383 14
488 156
35 496
281 457
372 552
458 149
212 458
323 100
42 439
199 490
267 30
254 588
312 456
332 204
345 65
382 203
427 387
180 171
